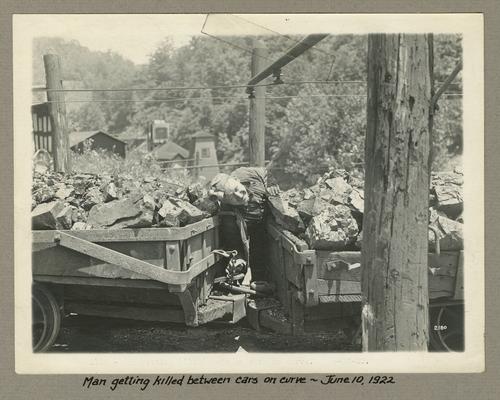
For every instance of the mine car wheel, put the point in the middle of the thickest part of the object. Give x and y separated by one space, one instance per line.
46 318
447 328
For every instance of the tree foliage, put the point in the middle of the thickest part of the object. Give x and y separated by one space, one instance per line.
309 127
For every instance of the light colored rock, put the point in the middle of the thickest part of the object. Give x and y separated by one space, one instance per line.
92 197
108 214
333 229
169 215
450 234
287 217
190 214
340 190
110 192
311 207
357 200
80 226
64 192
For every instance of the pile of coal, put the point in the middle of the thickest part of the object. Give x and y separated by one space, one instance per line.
445 213
87 201
329 214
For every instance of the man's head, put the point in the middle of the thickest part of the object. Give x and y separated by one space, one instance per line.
229 190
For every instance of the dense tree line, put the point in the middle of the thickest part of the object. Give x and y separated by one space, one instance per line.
316 125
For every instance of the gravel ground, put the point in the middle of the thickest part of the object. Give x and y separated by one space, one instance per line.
93 334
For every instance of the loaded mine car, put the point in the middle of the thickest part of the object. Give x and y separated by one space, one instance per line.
173 268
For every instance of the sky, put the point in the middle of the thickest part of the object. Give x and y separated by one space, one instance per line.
136 36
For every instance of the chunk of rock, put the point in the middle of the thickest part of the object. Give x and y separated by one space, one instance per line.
359 240
64 192
293 197
80 226
450 234
449 200
64 218
357 200
311 207
332 229
285 216
446 192
196 192
190 214
207 205
91 198
339 189
44 216
128 212
169 215
110 192
44 194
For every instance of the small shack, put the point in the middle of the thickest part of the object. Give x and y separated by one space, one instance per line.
171 151
100 140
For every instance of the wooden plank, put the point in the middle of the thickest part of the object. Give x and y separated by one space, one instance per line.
459 279
342 265
146 270
189 307
445 263
282 259
119 311
213 310
328 287
132 235
60 261
441 286
311 284
123 295
105 282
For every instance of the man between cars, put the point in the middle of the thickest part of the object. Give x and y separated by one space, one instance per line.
245 192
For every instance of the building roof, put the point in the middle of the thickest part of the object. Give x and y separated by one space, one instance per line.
202 135
128 135
169 151
78 137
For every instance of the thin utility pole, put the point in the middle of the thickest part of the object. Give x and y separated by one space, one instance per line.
257 123
57 111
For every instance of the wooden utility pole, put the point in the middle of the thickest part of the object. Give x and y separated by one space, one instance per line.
57 111
395 224
257 123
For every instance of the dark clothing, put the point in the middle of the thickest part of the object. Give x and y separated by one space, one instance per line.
255 179
258 244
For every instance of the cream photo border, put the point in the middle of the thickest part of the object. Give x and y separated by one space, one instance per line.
470 26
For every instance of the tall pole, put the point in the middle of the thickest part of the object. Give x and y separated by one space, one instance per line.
57 111
257 123
394 254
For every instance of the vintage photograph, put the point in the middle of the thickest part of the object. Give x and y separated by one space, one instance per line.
221 183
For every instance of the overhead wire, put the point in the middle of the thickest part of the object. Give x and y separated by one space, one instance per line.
215 87
217 98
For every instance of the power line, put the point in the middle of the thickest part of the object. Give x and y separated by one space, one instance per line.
216 87
216 98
